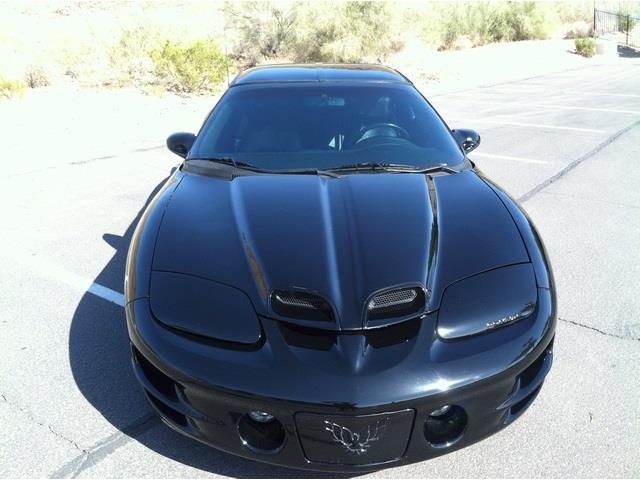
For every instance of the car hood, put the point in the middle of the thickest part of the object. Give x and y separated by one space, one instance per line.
340 238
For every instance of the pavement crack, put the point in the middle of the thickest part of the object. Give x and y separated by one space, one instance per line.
576 162
48 426
602 332
103 448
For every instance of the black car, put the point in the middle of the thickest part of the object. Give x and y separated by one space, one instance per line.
327 282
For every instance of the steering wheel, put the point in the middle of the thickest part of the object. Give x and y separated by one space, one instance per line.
378 130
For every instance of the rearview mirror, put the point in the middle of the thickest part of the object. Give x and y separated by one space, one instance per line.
466 138
180 143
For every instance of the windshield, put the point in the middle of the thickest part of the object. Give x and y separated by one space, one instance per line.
324 126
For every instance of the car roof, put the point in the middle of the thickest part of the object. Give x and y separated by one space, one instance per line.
319 72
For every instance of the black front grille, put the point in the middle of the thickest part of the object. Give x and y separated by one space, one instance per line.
398 302
161 382
527 385
301 305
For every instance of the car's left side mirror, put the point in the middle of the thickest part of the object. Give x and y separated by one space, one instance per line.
466 138
180 143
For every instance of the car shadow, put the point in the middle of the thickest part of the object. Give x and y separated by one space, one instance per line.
99 355
625 51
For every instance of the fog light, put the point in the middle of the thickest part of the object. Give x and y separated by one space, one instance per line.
261 417
438 412
445 426
261 432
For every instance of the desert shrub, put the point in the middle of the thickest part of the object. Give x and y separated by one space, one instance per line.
319 31
35 77
573 11
486 22
626 23
130 56
11 88
263 29
191 68
344 32
585 46
578 29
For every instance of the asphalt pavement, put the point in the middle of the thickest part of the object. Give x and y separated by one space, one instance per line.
567 145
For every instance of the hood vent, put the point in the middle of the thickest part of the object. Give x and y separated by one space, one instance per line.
301 305
398 302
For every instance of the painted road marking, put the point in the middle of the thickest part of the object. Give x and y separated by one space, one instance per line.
507 157
580 92
545 90
78 282
519 124
542 105
106 293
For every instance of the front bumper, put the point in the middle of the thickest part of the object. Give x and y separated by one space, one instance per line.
493 390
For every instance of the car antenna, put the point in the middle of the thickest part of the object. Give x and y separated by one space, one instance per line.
226 50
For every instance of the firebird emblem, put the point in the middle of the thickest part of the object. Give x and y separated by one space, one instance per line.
356 442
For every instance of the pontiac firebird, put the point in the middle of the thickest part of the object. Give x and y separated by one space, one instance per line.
327 281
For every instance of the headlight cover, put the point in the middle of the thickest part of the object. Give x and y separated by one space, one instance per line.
487 301
203 307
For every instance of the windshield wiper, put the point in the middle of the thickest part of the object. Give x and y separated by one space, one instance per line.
228 161
393 167
253 168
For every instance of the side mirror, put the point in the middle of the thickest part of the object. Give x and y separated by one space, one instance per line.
467 139
180 143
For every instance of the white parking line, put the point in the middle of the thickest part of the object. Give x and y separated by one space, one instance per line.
544 90
542 105
106 294
519 124
54 272
582 92
507 157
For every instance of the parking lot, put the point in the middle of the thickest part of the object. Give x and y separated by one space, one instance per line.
567 145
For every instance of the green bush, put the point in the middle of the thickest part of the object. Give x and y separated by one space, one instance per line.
192 68
585 46
11 88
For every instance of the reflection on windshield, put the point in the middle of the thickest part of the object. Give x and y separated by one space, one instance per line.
320 126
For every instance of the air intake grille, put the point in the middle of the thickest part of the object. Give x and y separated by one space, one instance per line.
396 303
301 305
392 299
296 301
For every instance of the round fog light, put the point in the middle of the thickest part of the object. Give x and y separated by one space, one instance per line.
261 432
445 426
261 417
438 412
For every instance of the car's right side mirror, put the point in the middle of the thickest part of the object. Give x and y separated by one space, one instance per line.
466 138
180 143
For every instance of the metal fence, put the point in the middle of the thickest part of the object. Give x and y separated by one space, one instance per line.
622 27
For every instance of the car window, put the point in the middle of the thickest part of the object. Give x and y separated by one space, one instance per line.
324 126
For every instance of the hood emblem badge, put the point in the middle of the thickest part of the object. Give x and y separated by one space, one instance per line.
356 442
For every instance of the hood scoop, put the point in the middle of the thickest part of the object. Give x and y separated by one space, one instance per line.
397 304
301 305
383 308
